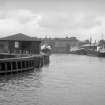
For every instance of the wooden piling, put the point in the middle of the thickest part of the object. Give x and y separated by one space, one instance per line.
25 63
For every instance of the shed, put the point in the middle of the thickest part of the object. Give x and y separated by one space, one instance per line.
20 43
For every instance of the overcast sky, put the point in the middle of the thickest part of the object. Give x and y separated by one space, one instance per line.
53 18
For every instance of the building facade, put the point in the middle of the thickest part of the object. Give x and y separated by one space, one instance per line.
63 45
20 43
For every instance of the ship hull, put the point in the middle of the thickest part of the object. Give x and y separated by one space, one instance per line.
99 54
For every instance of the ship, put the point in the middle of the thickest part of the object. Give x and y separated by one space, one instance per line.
90 50
46 49
101 51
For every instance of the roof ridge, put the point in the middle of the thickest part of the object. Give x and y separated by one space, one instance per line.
19 37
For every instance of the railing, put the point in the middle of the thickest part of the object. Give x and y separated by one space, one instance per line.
23 51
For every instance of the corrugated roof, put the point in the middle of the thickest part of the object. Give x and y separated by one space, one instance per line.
19 37
92 44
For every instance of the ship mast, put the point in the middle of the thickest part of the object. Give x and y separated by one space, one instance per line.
102 38
90 40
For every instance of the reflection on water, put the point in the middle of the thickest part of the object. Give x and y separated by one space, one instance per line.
18 88
68 80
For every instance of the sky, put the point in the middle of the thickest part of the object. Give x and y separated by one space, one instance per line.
53 18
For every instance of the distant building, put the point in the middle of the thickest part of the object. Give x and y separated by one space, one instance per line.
20 43
63 45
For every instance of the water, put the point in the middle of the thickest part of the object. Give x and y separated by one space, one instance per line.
68 80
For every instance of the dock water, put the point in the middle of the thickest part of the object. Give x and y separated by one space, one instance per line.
68 80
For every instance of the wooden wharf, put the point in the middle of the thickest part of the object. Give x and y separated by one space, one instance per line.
18 63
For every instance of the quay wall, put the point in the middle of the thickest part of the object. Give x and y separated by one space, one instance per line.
19 64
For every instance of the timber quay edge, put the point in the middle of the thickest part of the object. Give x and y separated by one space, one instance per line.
10 63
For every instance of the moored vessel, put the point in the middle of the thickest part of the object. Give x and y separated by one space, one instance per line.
101 51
